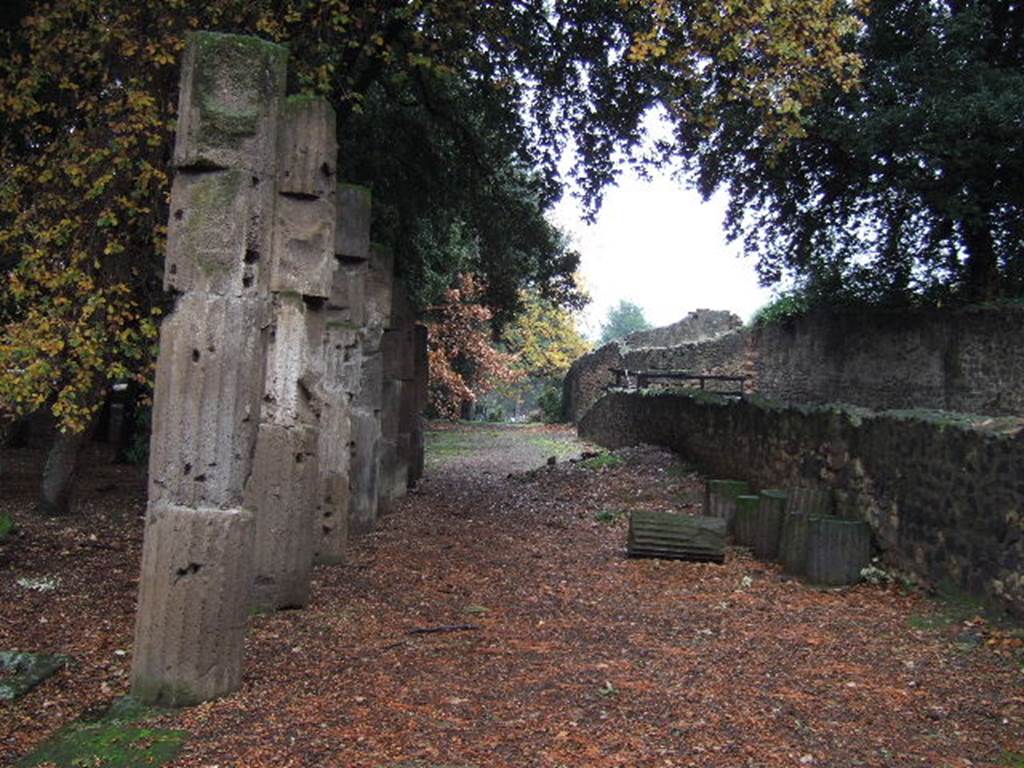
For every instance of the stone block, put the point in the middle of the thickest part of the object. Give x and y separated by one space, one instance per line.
217 234
206 400
282 494
371 382
364 471
348 292
352 240
193 604
379 285
417 448
294 361
342 357
302 250
403 314
232 87
390 407
398 353
307 155
334 455
388 452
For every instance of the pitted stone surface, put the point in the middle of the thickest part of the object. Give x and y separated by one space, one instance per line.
308 148
303 246
379 288
218 233
193 603
231 90
353 233
206 400
365 471
283 492
294 362
342 358
347 302
334 453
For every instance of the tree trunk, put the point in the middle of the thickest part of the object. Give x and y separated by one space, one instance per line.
982 262
61 471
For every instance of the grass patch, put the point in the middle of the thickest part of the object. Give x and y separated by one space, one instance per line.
6 525
610 516
118 738
1013 759
604 461
680 471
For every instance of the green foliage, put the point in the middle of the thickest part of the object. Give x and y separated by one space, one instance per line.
604 461
622 320
783 307
456 113
550 404
905 190
138 452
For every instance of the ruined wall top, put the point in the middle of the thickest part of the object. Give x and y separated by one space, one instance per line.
699 325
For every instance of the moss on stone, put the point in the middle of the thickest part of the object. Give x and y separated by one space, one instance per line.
212 194
24 671
251 68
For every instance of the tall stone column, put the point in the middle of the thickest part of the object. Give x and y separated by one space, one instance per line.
398 401
367 406
283 487
346 317
421 396
198 546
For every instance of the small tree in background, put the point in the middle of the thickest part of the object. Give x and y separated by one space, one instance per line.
623 320
464 363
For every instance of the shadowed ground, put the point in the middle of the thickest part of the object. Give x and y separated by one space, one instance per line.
577 656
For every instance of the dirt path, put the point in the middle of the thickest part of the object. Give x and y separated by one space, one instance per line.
579 657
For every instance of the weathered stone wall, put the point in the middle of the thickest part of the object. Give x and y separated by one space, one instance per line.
966 360
727 355
944 495
699 325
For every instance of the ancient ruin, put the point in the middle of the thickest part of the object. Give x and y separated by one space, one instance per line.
283 420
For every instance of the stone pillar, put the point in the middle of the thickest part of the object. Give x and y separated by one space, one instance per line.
283 486
198 546
346 317
399 406
364 487
421 396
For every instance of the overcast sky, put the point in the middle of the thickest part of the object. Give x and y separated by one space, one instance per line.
658 245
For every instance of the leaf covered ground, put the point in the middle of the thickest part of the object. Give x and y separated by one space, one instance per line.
565 652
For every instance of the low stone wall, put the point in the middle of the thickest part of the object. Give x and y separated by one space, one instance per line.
728 355
699 325
944 494
966 360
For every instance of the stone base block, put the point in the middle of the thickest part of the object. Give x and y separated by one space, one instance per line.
206 401
282 493
193 604
364 474
334 454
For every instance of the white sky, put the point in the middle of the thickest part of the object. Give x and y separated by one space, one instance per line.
656 243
